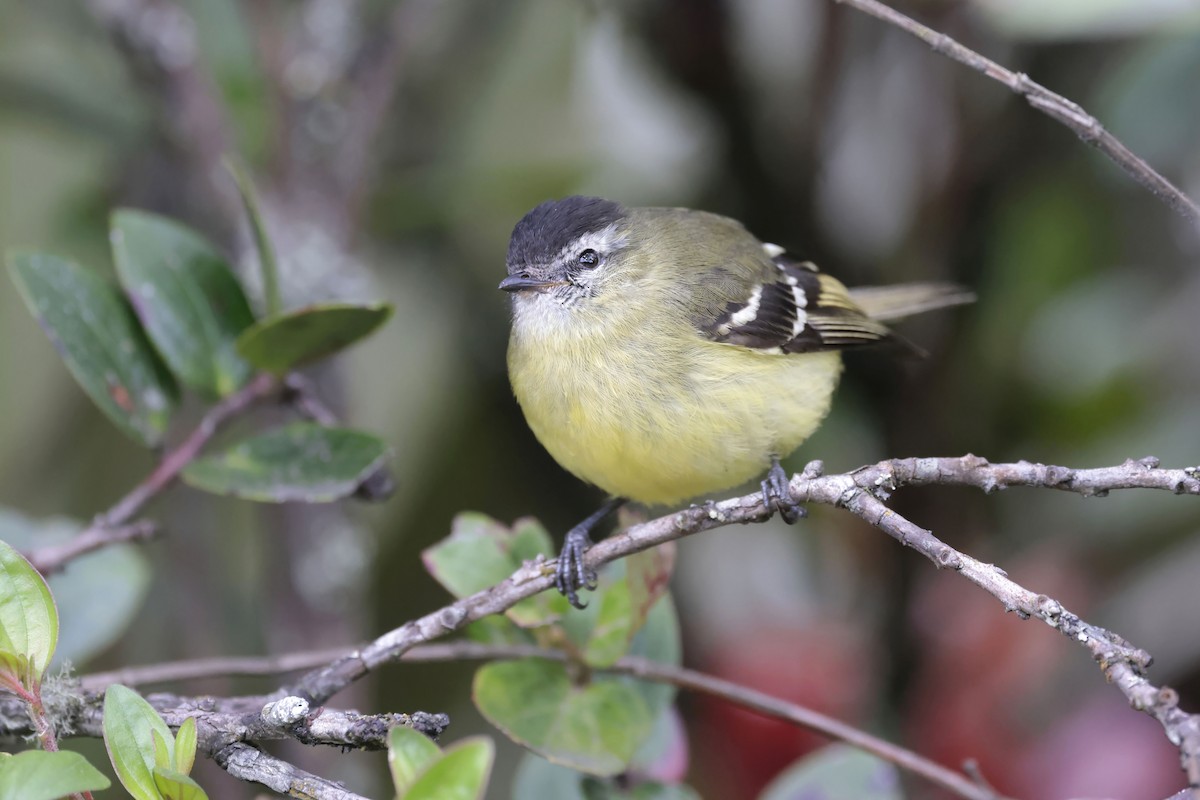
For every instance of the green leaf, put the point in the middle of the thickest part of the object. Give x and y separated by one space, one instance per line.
594 728
835 772
658 640
185 746
266 253
118 573
282 343
174 785
28 618
163 755
302 461
481 552
38 775
537 777
461 774
129 727
621 606
105 349
186 297
409 753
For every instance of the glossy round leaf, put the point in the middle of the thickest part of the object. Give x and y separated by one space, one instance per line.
302 461
281 343
537 777
187 298
28 618
481 552
101 342
409 753
459 774
39 775
835 772
595 728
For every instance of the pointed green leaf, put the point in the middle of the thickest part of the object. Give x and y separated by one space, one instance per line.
163 755
173 785
266 252
105 349
834 772
129 727
409 754
38 775
185 746
594 728
28 618
186 297
481 552
461 774
282 343
302 461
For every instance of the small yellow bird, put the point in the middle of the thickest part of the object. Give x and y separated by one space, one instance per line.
664 353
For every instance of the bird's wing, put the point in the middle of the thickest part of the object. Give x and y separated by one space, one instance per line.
786 305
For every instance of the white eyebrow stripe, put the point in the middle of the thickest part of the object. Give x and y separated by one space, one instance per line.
602 241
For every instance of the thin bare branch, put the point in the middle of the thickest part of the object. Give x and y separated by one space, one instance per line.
1055 106
369 732
858 492
861 492
113 525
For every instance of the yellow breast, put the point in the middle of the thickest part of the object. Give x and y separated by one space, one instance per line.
661 424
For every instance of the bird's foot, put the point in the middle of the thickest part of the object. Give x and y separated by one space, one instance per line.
777 494
572 574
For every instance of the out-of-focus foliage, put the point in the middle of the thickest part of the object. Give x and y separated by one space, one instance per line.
824 131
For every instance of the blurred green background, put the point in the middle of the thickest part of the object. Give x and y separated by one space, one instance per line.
395 145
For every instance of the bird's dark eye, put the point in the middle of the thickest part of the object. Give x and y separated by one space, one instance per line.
588 259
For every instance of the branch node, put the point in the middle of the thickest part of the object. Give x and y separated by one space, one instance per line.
452 617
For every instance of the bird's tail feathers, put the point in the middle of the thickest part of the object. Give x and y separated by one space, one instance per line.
886 303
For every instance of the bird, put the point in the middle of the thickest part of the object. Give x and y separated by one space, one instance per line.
663 354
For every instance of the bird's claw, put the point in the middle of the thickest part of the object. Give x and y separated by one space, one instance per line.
572 574
777 494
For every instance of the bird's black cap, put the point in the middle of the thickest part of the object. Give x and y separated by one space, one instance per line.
546 230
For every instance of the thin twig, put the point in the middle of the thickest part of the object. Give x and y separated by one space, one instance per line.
859 492
1055 106
113 525
54 557
1123 664
638 667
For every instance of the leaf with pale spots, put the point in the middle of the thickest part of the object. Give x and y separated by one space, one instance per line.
101 342
302 462
186 296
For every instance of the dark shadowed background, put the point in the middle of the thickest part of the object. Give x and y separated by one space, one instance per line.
396 145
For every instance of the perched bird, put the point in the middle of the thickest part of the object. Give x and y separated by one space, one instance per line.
664 353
